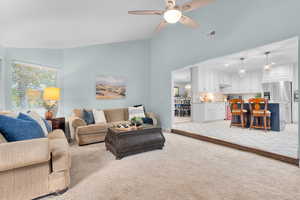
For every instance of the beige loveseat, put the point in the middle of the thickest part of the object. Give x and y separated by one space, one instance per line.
34 168
88 134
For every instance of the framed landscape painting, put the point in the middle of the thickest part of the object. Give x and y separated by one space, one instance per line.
110 87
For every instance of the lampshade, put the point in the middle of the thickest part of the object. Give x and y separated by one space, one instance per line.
51 94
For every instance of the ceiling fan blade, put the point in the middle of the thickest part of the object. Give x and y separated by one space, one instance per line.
170 3
161 26
194 4
188 22
146 12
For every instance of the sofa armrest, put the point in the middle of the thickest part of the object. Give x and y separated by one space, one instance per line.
60 154
77 122
23 153
154 117
56 134
74 123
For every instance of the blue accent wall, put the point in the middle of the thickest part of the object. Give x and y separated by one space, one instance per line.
82 65
240 25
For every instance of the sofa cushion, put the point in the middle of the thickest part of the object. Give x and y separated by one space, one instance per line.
21 128
116 115
2 139
99 116
92 129
88 117
23 153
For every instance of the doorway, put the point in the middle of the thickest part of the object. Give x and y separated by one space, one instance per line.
181 96
268 72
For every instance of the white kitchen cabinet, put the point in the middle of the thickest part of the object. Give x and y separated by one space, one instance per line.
204 112
278 73
250 83
209 80
214 81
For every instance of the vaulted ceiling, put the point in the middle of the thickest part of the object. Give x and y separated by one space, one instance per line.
281 53
72 23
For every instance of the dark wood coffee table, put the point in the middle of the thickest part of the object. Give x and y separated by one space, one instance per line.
124 143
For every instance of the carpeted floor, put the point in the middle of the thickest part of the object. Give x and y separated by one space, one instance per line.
186 169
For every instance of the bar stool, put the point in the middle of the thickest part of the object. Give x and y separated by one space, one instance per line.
238 111
260 114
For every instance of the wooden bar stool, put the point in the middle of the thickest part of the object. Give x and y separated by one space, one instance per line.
260 114
238 111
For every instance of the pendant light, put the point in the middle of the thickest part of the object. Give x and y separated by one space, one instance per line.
242 70
268 65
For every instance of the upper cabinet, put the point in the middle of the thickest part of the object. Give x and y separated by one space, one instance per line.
201 79
211 80
278 73
251 82
208 80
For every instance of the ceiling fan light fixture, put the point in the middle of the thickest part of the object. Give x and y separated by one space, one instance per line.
172 16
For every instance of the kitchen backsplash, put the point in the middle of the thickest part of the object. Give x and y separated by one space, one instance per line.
212 97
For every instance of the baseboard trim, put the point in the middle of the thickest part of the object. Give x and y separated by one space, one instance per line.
267 154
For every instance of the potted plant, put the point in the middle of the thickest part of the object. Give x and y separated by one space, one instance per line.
136 121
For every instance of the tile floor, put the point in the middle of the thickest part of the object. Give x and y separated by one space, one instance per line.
283 143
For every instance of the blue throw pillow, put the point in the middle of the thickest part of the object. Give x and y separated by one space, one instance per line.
147 120
88 117
17 129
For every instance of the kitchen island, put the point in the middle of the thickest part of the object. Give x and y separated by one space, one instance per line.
278 121
213 111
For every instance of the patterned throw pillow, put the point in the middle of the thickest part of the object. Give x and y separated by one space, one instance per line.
136 112
34 115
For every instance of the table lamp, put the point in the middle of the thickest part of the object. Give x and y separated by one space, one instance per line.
51 97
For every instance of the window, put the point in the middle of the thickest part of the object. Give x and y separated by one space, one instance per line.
28 83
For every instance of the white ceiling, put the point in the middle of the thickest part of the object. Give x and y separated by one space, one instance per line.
282 53
72 23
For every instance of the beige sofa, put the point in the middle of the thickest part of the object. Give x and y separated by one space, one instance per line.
88 134
34 168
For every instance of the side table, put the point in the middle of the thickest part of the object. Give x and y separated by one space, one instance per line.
60 123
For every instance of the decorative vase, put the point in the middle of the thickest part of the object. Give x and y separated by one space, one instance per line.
49 115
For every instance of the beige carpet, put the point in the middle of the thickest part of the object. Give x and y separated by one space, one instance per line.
186 169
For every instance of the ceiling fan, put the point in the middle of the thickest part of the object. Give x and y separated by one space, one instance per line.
173 13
